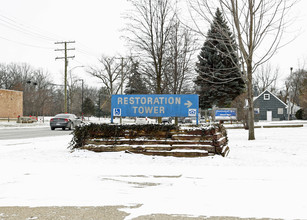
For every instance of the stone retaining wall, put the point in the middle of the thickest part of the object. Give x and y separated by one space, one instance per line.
163 141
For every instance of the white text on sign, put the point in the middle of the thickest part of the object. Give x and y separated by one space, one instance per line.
149 101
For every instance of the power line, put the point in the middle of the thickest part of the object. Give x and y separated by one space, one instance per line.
24 31
25 44
15 25
30 32
36 33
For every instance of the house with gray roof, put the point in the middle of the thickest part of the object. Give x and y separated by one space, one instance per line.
269 107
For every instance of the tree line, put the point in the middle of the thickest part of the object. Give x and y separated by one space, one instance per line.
242 37
41 96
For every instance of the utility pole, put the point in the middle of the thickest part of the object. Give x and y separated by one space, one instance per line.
289 107
65 66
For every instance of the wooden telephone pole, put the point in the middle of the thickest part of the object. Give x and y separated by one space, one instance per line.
65 66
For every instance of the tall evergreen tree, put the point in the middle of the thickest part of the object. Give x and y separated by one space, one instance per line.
219 78
136 84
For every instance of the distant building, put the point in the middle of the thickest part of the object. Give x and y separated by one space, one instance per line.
11 103
269 107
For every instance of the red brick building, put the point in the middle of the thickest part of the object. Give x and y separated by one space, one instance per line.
11 103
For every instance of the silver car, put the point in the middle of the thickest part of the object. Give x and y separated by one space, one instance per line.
65 121
141 120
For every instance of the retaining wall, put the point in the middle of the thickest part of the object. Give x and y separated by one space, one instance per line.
161 140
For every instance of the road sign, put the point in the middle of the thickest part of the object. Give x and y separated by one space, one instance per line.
225 114
163 105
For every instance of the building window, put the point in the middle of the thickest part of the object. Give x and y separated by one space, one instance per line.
280 111
266 97
256 110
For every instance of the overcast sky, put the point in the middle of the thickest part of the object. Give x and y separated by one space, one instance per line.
29 29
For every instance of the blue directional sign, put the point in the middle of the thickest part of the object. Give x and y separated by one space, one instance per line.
163 105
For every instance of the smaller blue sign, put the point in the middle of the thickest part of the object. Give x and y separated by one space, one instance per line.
192 112
225 114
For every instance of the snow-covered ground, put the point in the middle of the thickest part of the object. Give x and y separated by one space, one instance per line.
262 178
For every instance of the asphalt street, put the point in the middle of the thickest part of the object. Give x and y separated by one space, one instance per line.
22 133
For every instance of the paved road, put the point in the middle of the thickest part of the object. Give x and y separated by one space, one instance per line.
22 133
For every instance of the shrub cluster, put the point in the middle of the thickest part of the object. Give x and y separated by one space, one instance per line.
107 131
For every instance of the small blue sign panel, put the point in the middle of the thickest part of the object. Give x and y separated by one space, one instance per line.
225 114
163 105
117 112
192 112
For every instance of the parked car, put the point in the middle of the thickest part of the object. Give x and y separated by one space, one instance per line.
180 120
187 120
65 121
167 120
141 120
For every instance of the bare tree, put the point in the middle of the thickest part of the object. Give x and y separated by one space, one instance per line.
265 78
40 95
303 98
112 73
42 92
181 48
239 103
14 75
295 83
74 94
33 82
150 24
258 26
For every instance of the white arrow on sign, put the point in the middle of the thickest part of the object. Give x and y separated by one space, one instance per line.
188 104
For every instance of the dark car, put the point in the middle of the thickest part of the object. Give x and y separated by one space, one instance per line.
187 120
65 121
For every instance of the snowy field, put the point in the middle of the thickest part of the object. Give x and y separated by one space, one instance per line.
265 178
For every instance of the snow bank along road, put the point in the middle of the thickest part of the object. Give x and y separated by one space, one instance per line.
265 178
